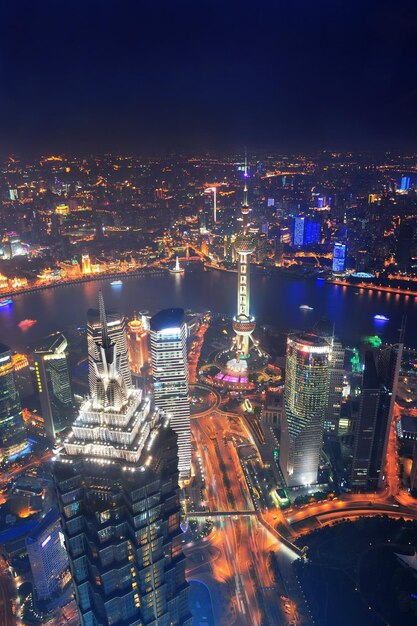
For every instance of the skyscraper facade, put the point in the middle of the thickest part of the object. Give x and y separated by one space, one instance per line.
13 438
138 345
54 386
305 231
339 257
47 555
379 387
116 328
117 486
305 401
325 329
170 376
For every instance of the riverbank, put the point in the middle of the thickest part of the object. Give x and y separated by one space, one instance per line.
343 283
85 279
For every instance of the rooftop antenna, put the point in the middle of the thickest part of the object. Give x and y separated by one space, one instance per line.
245 175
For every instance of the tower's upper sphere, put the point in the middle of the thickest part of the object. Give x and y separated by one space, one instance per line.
245 244
244 209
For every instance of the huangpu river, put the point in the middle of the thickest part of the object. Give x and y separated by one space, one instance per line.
275 299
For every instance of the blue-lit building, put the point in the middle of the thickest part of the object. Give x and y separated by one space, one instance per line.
47 556
339 257
13 438
305 231
170 378
405 183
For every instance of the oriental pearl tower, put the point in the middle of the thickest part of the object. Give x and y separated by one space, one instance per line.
243 322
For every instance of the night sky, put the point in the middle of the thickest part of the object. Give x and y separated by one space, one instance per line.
149 75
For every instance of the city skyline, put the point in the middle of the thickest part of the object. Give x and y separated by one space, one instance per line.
208 295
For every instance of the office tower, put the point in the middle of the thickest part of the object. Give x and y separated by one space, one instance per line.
405 183
379 387
305 402
262 248
362 261
138 345
22 375
325 329
86 264
47 555
116 328
404 247
305 231
13 438
170 376
298 231
117 486
54 387
339 257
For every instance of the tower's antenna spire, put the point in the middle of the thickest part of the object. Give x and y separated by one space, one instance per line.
245 175
103 320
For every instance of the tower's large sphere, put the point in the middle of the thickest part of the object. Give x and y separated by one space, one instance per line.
245 244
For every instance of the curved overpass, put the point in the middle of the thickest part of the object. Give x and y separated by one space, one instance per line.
345 510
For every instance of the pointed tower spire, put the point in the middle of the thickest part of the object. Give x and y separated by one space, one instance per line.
103 320
107 347
245 206
245 175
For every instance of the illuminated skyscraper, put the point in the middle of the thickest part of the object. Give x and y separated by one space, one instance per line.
379 388
305 402
138 345
325 329
117 486
170 375
13 438
405 183
116 328
339 258
53 383
305 231
47 555
86 264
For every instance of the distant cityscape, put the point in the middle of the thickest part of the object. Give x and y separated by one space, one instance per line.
189 465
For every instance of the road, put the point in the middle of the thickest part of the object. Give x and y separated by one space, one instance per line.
234 562
9 475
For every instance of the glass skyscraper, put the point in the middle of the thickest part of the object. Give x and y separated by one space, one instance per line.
170 376
305 401
117 486
339 257
13 438
379 388
54 387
